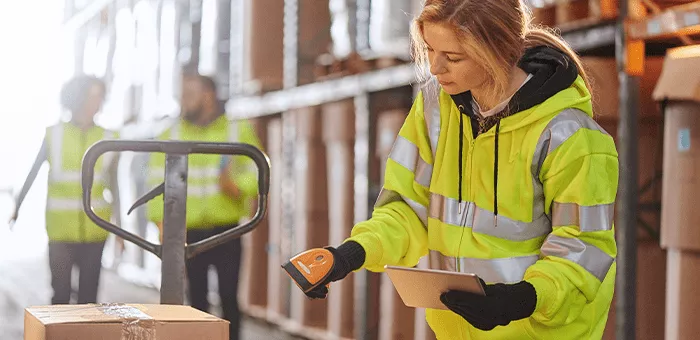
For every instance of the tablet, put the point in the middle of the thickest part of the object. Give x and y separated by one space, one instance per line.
421 288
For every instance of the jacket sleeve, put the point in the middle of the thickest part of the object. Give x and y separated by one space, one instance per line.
580 179
244 172
396 234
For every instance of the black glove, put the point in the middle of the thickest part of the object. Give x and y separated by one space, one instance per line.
502 304
348 257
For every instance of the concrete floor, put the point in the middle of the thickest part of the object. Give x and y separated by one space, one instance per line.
24 281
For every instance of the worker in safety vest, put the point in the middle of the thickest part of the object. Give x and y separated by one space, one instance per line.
74 240
499 170
220 192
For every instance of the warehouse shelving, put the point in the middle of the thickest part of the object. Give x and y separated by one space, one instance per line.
674 21
582 39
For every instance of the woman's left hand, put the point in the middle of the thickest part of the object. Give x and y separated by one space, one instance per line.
502 304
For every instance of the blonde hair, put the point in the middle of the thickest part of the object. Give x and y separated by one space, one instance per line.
494 32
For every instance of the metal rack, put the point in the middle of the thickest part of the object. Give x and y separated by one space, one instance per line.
599 36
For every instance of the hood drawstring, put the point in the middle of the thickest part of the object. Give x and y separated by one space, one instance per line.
495 165
461 150
495 175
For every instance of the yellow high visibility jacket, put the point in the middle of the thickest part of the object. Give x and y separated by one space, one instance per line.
557 177
65 219
207 206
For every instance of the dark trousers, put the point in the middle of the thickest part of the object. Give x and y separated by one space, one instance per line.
62 257
226 259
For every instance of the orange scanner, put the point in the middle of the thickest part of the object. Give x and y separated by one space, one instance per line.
310 268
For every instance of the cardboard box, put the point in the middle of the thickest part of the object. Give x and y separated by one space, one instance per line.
680 77
682 302
120 322
680 84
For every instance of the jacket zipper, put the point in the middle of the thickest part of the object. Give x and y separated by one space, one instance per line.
463 211
81 214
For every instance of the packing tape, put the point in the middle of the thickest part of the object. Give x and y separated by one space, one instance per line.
136 325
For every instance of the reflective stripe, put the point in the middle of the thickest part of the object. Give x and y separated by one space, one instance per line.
232 131
481 220
558 131
387 196
69 204
194 190
503 270
587 256
56 172
407 155
424 173
431 112
203 190
209 172
175 130
587 218
73 176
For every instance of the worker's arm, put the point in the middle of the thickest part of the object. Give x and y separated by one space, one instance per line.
397 233
41 157
226 182
580 179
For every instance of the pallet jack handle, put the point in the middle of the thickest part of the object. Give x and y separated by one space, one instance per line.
174 250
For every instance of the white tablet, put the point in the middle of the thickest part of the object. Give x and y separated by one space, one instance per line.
421 288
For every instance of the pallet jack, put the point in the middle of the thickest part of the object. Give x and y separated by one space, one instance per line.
173 250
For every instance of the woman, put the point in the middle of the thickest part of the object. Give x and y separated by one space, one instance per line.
498 170
73 238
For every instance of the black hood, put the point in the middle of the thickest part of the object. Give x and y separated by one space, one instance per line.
552 71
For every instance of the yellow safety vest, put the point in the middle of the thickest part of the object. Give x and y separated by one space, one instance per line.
207 206
556 187
65 219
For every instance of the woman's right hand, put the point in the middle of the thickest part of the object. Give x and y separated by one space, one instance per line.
339 271
348 257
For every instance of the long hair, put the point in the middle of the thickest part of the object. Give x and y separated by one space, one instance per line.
495 33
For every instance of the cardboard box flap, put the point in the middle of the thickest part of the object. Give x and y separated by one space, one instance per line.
117 313
680 77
